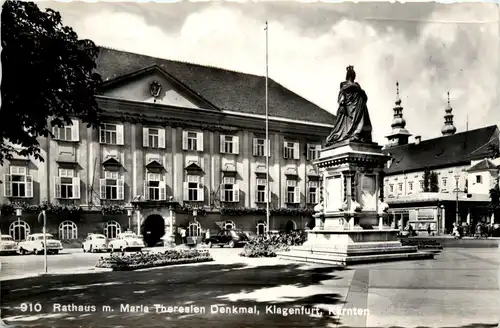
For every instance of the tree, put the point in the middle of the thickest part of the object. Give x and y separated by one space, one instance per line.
48 77
427 180
434 182
431 183
495 198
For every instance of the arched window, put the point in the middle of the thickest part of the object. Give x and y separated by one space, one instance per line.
194 229
19 230
112 229
229 225
68 230
261 228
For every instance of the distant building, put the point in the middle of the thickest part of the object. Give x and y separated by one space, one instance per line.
174 129
459 173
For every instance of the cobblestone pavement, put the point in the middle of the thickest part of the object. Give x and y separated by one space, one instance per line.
459 288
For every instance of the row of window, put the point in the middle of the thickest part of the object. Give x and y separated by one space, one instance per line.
68 230
444 183
191 140
67 186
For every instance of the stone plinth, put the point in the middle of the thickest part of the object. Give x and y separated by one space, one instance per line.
349 220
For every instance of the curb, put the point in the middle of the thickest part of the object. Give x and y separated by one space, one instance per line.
85 270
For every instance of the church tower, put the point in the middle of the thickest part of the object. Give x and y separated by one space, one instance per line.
399 134
448 128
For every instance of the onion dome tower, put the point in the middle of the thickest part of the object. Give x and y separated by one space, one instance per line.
399 134
448 127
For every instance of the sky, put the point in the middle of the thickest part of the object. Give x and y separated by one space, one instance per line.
429 48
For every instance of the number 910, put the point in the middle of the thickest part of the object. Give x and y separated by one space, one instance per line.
31 307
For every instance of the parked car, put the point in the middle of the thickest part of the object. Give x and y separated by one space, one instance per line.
34 244
250 234
7 245
231 237
126 241
95 243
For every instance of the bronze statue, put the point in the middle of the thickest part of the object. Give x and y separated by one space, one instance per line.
353 121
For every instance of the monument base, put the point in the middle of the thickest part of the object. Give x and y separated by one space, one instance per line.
347 247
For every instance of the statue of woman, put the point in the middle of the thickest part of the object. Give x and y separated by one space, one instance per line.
353 121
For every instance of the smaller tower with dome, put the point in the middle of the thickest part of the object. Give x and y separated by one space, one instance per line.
448 128
399 134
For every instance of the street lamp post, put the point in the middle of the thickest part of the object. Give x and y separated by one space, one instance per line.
457 218
19 213
129 214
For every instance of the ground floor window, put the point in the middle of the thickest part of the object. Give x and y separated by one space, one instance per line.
261 228
194 229
112 229
68 230
19 230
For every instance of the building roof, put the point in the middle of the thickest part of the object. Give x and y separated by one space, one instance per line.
483 165
225 89
444 151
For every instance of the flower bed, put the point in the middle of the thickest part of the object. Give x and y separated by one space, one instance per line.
268 246
135 261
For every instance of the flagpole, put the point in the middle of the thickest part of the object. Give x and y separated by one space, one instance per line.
268 144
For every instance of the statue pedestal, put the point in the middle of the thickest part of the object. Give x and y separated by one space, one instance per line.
351 228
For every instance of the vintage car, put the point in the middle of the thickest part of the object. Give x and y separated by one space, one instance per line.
7 245
34 244
231 237
95 243
126 241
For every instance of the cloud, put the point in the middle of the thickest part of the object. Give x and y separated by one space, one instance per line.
428 48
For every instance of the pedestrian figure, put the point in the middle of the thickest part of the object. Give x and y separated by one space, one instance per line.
429 229
183 236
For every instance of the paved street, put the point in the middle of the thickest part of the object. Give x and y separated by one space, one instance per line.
459 288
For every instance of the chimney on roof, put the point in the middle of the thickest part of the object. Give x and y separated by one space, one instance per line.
399 134
448 128
417 139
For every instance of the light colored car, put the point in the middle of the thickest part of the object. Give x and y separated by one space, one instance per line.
95 243
7 245
127 240
34 244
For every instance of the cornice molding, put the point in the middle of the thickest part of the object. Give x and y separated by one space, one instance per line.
205 119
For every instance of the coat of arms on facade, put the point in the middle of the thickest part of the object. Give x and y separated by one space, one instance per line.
155 89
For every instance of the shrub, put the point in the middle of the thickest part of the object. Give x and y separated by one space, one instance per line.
268 246
140 260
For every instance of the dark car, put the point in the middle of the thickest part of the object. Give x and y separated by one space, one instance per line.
231 237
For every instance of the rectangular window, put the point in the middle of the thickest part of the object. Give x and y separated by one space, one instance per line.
422 185
154 187
291 150
312 152
111 134
18 183
261 191
479 179
444 182
153 137
193 189
391 188
400 187
229 190
112 188
229 144
192 141
67 185
410 186
67 132
292 195
312 192
259 147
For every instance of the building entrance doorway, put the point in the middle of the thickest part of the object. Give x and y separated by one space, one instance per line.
290 226
152 229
